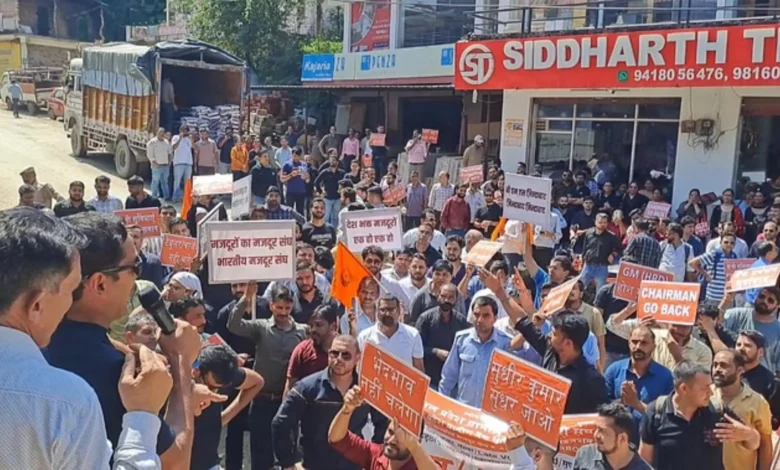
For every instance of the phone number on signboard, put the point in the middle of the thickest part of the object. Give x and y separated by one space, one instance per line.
707 73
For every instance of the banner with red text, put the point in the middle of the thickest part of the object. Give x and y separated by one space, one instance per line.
461 437
657 209
148 219
252 250
379 227
754 278
470 174
207 185
178 251
730 266
527 199
393 387
516 390
713 56
576 431
631 275
669 302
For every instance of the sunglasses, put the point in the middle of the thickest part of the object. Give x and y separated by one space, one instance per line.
344 355
135 267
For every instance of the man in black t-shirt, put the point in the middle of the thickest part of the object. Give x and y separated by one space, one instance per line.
486 219
225 146
751 346
217 368
317 232
608 305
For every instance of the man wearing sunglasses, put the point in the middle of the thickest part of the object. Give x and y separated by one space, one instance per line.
313 403
761 317
712 266
740 248
109 268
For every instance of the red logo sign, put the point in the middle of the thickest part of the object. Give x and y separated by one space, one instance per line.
713 56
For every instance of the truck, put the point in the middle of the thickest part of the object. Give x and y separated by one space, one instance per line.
37 84
113 101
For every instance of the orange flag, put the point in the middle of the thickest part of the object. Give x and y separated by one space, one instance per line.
186 201
499 229
347 274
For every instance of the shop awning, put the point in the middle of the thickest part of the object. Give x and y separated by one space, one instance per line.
320 86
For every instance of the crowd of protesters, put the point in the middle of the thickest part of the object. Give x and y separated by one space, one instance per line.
667 396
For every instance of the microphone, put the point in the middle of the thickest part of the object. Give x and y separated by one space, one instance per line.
152 302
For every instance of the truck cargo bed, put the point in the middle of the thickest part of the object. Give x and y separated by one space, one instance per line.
109 115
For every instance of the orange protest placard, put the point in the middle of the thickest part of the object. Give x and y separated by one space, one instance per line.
178 250
482 252
669 302
657 209
394 194
516 390
148 219
733 265
393 387
212 184
430 135
629 277
576 431
754 278
377 140
557 298
470 174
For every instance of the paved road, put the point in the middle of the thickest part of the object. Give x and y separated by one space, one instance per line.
40 142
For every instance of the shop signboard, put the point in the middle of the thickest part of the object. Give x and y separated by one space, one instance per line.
715 56
318 67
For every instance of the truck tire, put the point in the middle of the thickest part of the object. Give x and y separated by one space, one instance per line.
78 145
124 159
32 108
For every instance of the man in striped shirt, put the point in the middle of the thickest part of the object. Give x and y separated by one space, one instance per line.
711 266
104 202
441 191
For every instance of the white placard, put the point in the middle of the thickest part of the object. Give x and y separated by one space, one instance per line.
203 237
207 185
251 250
527 199
241 202
377 227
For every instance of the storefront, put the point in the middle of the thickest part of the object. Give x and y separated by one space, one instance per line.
688 108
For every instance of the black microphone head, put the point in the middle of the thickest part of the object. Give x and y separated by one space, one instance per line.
149 296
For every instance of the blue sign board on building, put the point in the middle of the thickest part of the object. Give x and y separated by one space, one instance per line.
317 67
447 56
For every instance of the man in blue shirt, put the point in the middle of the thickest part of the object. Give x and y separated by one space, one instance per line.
560 270
468 361
295 175
638 380
767 254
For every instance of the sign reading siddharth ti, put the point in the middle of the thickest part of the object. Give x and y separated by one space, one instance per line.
701 57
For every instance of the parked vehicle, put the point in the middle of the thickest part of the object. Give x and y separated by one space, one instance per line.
113 99
37 84
56 104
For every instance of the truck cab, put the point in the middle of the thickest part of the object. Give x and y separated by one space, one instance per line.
37 84
73 109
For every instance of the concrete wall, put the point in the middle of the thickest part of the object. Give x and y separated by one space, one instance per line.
695 167
46 56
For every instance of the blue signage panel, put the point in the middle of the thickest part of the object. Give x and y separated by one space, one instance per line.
317 67
447 56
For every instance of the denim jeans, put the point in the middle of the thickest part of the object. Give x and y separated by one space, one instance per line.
160 188
181 173
380 167
455 231
260 417
594 273
332 208
224 168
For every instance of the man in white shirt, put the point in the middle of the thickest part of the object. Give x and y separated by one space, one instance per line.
741 248
547 238
438 240
159 152
675 254
475 199
182 161
388 333
417 278
51 418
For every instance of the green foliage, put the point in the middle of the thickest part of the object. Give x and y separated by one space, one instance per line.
258 31
321 45
120 13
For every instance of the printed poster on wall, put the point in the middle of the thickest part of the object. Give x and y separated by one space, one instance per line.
252 250
370 26
513 132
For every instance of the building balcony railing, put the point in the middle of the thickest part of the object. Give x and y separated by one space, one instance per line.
566 15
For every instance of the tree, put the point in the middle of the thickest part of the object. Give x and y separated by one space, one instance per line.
258 31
